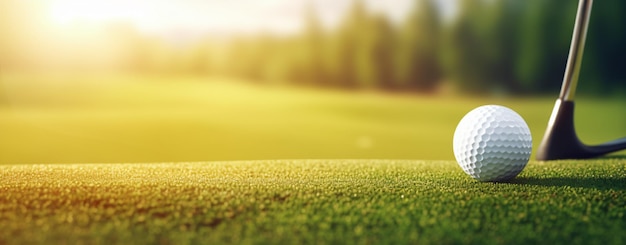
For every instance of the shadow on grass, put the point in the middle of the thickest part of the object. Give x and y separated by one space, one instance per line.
620 157
600 183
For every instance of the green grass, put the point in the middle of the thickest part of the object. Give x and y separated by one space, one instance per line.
91 120
115 119
311 201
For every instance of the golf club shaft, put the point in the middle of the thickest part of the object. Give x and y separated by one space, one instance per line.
572 71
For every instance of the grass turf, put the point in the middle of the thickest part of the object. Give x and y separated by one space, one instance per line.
311 201
44 119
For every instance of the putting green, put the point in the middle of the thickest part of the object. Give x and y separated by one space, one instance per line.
311 201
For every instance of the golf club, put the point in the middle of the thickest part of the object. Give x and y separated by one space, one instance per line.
560 140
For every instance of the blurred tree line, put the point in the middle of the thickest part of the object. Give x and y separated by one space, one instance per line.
501 46
366 51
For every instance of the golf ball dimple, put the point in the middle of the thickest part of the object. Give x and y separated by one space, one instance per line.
492 143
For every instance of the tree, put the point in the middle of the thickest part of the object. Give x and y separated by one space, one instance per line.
374 54
484 52
603 62
382 53
347 45
314 44
502 45
546 31
464 54
419 46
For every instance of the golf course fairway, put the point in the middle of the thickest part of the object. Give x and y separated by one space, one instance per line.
138 119
191 162
311 201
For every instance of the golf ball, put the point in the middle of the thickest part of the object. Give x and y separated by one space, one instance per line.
492 143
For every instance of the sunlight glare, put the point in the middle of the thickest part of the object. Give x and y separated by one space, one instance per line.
217 17
65 11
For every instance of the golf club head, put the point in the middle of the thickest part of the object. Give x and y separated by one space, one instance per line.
561 142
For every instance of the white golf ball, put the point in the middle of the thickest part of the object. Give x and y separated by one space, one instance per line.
492 143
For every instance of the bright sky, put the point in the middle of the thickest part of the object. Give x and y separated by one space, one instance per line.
218 16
